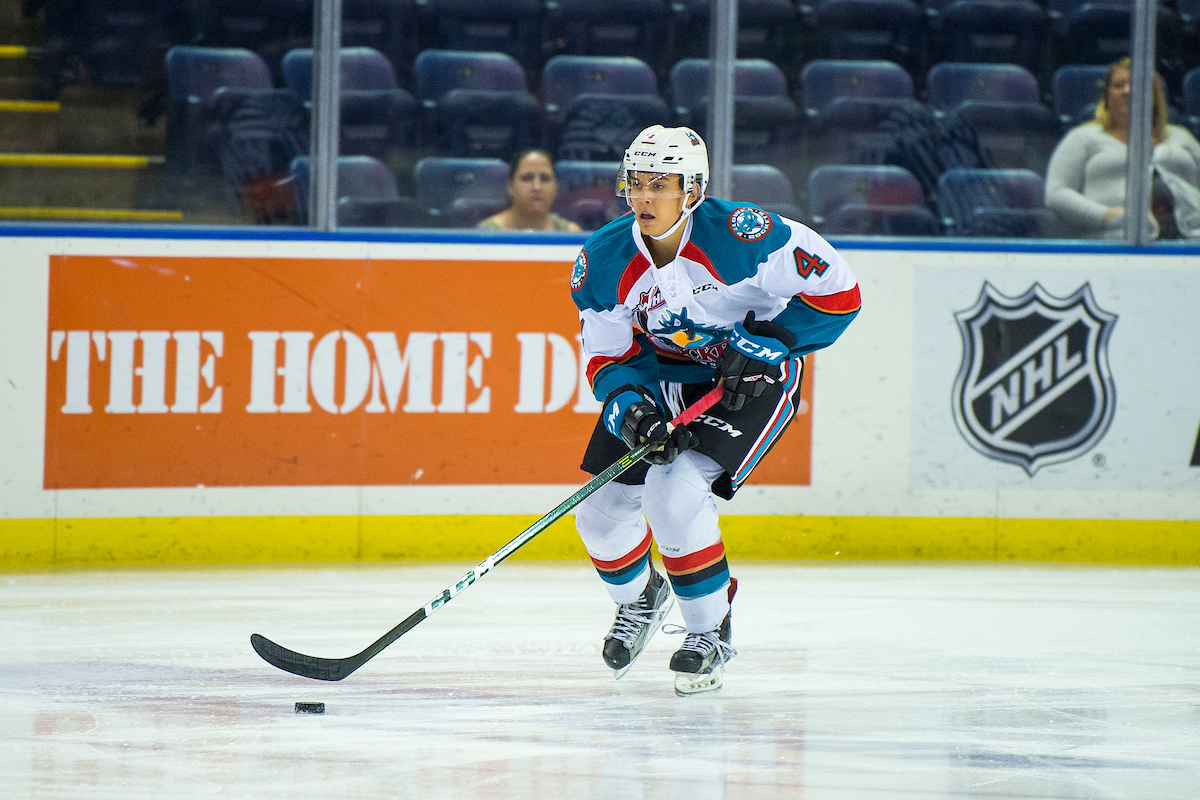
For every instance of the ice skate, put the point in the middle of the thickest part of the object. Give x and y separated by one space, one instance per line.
699 664
636 622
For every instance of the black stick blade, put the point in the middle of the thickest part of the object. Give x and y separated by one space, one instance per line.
321 669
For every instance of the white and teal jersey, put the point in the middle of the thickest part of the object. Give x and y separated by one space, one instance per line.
643 325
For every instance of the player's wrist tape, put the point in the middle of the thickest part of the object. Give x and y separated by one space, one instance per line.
757 347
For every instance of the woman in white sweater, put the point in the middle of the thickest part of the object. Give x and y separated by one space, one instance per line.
1085 180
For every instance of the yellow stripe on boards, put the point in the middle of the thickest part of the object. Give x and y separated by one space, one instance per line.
90 214
70 160
240 540
31 106
13 51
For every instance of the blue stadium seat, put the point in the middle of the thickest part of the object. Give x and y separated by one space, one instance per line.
764 115
477 103
994 203
1076 89
512 27
823 81
587 192
399 212
766 29
598 127
993 31
888 30
832 186
376 116
268 27
389 26
846 101
600 99
565 77
1098 32
471 183
194 74
636 28
118 42
1013 135
359 177
765 186
951 83
1191 101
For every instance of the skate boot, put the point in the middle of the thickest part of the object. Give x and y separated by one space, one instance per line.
699 665
636 622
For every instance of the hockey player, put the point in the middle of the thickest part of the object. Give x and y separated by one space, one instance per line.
683 291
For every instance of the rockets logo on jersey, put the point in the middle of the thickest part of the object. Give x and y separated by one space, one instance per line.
1034 387
579 271
749 223
676 333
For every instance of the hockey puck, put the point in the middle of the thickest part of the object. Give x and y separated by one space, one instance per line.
310 708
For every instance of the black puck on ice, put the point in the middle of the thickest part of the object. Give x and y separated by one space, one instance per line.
310 708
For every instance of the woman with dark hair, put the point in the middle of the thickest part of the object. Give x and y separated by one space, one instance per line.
1085 181
532 187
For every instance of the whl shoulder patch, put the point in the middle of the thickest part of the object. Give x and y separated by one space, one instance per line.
749 224
579 271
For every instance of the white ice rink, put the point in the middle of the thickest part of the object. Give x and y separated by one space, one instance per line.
854 681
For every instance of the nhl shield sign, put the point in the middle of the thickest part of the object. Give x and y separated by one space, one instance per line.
1034 387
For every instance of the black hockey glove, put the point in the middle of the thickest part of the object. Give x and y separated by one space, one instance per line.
751 359
632 415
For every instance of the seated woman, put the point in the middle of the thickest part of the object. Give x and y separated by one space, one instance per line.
1085 180
532 187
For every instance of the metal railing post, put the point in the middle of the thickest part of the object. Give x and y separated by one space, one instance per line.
322 185
722 51
1141 77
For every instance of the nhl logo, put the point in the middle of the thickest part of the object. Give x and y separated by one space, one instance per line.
1034 387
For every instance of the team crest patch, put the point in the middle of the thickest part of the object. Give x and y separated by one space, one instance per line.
1034 387
579 271
750 223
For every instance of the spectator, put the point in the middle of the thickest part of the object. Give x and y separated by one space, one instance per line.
1085 180
532 187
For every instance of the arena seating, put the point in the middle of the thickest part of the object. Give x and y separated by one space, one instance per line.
512 27
868 200
1076 89
993 31
765 186
477 104
375 115
889 30
458 189
1005 203
587 192
359 178
764 114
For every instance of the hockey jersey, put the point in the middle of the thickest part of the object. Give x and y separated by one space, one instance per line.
642 324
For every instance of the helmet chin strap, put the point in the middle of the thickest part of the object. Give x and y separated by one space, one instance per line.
684 214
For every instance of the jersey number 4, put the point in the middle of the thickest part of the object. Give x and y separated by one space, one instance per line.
807 264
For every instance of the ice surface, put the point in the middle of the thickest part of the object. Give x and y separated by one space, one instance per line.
853 681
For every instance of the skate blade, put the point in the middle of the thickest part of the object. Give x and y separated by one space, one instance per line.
660 618
687 684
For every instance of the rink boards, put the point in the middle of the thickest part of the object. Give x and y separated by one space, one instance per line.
308 397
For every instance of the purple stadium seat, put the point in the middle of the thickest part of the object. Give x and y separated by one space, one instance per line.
951 83
889 30
764 114
478 103
635 28
587 192
358 176
1076 89
765 186
440 181
994 31
766 29
993 202
512 27
823 80
1013 135
565 77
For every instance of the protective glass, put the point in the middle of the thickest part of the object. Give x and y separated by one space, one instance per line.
656 186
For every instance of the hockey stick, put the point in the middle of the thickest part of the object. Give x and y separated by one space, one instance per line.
335 669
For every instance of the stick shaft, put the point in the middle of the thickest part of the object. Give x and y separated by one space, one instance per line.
334 669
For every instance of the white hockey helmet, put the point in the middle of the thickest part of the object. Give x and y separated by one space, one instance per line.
667 151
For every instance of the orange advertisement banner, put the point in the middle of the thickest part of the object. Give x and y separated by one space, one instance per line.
308 372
